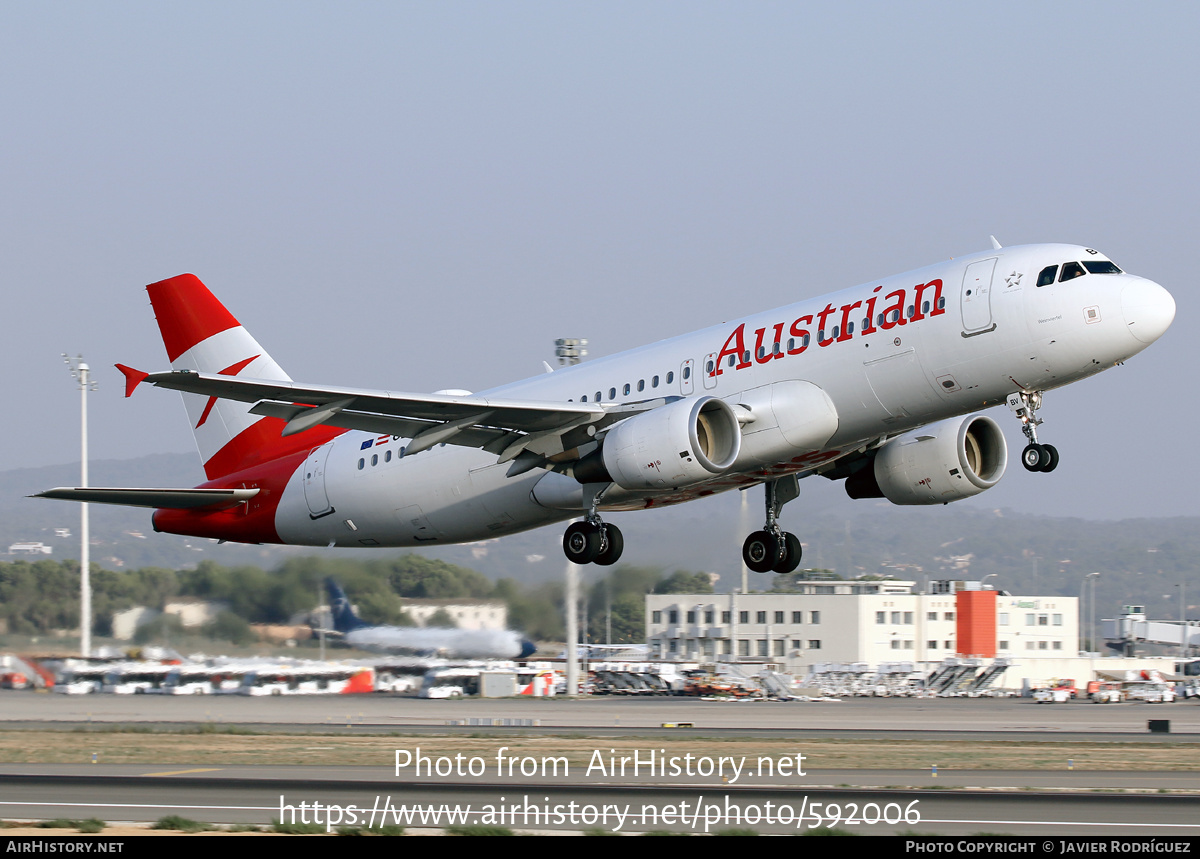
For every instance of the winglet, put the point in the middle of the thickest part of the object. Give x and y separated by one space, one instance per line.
133 378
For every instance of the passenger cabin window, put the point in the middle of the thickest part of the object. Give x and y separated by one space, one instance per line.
1047 276
626 389
708 367
687 372
641 385
670 377
1070 271
612 393
654 382
1101 267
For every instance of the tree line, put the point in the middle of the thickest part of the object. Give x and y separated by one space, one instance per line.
40 597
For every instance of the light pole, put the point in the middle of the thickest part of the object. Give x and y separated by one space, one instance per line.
82 374
570 351
572 607
1183 627
1091 614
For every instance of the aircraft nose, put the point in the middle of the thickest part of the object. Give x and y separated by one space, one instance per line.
1148 308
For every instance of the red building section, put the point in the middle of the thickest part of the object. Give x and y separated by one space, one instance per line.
975 620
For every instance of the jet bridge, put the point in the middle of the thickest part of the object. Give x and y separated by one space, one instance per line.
1132 627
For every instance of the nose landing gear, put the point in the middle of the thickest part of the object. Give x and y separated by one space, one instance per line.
1035 456
773 549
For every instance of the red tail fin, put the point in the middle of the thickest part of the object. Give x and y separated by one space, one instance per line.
200 334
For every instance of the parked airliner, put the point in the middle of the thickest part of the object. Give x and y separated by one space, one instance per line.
876 385
422 640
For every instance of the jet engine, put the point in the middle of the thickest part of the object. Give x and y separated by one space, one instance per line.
680 444
937 464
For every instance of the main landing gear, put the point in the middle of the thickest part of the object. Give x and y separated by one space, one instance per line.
1035 456
593 541
773 549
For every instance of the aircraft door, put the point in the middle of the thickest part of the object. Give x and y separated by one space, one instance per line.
314 482
709 371
976 298
687 381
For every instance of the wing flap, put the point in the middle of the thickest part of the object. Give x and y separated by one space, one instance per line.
175 499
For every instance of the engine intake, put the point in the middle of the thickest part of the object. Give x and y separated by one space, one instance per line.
937 464
677 445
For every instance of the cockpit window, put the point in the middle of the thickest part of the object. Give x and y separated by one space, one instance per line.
1047 276
1071 270
1101 266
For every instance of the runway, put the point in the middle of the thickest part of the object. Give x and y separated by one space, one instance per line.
879 717
876 801
349 797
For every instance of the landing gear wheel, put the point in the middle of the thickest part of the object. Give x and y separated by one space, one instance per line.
790 554
582 542
761 551
612 551
1035 457
1052 461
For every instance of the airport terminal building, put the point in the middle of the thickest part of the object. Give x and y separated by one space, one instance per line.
869 622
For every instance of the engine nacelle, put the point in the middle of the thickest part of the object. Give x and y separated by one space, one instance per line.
680 444
942 462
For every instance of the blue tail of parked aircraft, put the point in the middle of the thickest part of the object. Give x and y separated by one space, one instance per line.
344 618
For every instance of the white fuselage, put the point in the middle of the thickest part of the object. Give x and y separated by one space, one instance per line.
894 355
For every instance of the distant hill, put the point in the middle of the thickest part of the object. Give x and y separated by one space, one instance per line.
1141 561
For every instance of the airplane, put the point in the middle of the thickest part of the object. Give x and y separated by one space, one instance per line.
422 640
877 385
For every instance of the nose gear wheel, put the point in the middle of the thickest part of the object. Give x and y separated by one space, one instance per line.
1035 456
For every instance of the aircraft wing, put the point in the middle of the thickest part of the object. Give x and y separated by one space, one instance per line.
504 427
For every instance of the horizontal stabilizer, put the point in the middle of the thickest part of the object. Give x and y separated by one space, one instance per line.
174 499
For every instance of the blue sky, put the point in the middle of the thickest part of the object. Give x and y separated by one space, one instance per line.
421 196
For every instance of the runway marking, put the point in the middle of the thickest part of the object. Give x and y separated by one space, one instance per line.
960 821
186 772
141 805
1055 823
